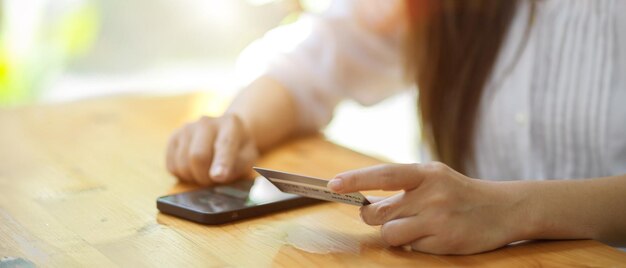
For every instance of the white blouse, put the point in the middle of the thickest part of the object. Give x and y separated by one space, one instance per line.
553 108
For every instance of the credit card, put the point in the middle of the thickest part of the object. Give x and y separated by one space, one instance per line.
309 187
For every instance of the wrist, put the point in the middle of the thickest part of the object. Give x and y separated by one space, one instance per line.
533 212
518 211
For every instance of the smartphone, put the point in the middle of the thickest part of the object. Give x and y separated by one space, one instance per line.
226 203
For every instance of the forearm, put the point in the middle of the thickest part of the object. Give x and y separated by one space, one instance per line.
268 111
574 209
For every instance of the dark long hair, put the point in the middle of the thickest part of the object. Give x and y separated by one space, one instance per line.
452 46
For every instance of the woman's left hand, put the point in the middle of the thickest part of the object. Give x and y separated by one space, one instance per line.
440 210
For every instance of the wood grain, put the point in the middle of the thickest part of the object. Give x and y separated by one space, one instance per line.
78 184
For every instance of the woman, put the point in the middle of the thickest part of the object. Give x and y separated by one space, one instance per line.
526 96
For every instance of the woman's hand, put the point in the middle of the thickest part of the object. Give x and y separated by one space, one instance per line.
211 150
440 211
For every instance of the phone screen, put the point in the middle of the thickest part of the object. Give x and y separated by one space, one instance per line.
223 203
241 194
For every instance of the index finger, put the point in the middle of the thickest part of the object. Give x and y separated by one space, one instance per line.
226 147
388 177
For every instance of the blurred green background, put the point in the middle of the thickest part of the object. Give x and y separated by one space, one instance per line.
55 50
34 43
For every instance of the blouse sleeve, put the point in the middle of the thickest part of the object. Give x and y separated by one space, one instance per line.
352 51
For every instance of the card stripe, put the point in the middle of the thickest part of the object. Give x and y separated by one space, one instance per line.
309 187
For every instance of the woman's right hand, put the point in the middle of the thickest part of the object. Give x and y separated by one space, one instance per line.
211 150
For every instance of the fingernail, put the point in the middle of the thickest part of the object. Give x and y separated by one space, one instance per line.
335 184
217 171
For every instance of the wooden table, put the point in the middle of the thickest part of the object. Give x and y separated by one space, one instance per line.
78 184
